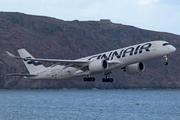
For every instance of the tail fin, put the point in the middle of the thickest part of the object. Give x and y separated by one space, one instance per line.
32 66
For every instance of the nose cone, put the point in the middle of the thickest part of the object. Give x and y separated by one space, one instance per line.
172 49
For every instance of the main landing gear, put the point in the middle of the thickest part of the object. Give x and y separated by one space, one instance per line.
107 79
165 60
88 79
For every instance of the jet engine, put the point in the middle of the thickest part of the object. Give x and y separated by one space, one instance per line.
98 66
135 68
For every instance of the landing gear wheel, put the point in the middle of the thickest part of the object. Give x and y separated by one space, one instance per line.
88 79
107 80
111 80
93 79
85 79
165 63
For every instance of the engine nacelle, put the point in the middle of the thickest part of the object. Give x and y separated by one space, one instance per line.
135 68
98 66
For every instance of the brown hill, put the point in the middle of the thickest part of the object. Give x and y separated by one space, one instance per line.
46 37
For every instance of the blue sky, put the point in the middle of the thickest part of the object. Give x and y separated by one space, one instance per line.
156 15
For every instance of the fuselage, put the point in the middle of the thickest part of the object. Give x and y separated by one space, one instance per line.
123 57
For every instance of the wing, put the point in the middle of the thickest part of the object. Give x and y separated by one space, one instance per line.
78 64
54 61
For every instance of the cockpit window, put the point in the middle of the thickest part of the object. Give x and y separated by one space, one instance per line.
166 44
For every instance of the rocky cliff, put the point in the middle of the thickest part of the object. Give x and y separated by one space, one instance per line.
46 37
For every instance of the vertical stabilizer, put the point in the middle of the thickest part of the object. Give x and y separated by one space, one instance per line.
32 66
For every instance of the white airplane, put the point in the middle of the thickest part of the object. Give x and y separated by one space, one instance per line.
129 58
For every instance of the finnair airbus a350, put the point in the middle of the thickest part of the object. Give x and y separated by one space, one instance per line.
129 58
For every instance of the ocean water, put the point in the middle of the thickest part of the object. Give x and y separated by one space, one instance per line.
89 104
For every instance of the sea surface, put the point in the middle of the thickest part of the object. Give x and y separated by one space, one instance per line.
90 104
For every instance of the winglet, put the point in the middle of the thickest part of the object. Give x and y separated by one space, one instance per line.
13 56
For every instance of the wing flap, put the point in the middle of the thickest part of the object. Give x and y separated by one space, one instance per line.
21 74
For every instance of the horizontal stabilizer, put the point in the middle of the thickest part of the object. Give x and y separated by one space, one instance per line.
20 74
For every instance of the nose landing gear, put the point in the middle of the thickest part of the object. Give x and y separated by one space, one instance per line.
165 60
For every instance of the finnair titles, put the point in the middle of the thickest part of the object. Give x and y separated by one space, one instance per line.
123 52
130 59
